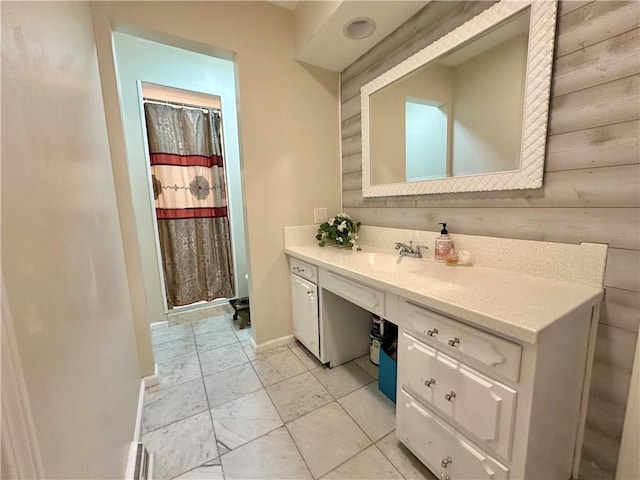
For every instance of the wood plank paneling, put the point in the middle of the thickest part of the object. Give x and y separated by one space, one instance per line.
591 190
612 102
352 181
605 417
615 347
598 445
610 383
620 309
570 6
352 163
612 59
595 22
351 126
571 188
351 108
605 146
623 268
617 226
352 145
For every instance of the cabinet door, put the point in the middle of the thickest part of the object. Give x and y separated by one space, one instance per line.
480 405
304 296
434 443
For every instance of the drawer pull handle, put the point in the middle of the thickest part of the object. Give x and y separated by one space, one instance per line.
432 332
454 342
450 396
429 382
445 461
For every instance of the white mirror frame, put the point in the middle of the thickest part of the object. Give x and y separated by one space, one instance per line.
542 27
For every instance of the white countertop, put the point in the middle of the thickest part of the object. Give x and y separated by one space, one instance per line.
513 304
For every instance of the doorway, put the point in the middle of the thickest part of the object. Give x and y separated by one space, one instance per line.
144 62
186 156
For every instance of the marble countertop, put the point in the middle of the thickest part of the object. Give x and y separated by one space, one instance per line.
516 305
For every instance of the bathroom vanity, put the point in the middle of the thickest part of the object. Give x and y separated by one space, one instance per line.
494 359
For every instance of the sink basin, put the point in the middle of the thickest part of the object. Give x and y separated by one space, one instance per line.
383 262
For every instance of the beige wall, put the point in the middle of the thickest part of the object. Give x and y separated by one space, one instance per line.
591 189
62 255
289 130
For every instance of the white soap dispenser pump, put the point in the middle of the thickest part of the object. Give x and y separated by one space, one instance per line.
444 245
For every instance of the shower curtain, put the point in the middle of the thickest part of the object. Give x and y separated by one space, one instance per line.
189 188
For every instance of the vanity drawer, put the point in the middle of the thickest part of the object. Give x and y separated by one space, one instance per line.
436 443
304 270
483 407
362 295
497 354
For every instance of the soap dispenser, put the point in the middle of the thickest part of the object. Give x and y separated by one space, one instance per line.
444 245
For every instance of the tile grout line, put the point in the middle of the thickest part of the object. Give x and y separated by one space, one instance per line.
206 395
265 387
284 424
388 459
201 378
335 400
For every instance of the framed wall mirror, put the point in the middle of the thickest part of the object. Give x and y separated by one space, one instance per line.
468 112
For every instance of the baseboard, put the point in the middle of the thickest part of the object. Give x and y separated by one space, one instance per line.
132 459
138 427
161 324
151 380
278 342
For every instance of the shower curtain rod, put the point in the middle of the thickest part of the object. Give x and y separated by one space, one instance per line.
178 104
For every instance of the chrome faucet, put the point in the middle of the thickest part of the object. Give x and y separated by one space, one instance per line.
405 250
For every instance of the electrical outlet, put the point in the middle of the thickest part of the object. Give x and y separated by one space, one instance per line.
319 215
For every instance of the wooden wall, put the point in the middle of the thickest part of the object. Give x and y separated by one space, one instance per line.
591 185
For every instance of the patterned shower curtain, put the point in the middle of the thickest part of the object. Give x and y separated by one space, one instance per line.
190 194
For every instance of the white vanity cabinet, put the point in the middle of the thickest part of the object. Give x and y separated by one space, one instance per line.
494 360
473 404
440 447
304 301
332 313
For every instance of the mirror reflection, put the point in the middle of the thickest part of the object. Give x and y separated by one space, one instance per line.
459 115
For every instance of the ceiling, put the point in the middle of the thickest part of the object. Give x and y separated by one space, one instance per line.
288 4
320 39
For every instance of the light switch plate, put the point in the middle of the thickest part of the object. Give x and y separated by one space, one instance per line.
319 215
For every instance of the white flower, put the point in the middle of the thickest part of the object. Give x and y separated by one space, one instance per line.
342 226
331 220
355 247
352 241
339 239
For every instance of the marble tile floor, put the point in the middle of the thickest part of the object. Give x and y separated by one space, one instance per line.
221 411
